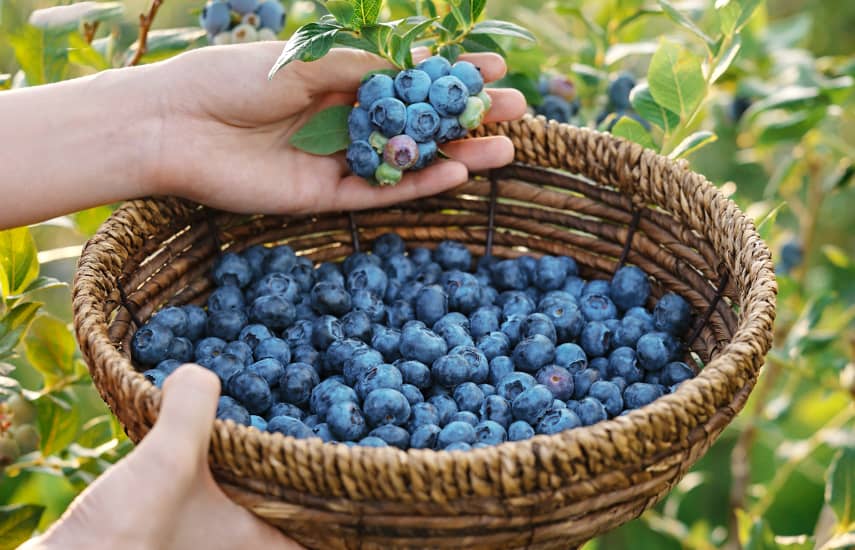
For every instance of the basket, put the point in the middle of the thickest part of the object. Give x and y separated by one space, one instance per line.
602 200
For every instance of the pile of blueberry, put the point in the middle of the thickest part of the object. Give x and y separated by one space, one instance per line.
240 21
18 433
415 349
400 120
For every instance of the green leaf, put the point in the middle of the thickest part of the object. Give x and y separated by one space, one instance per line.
836 256
477 8
748 9
82 53
502 28
310 42
402 48
675 79
43 55
58 423
351 40
17 523
14 324
793 127
728 14
633 130
460 10
49 347
789 98
42 283
18 260
726 60
754 533
342 10
764 226
88 221
644 104
163 43
365 12
840 176
325 133
679 18
692 143
843 541
68 18
523 83
482 43
840 487
616 52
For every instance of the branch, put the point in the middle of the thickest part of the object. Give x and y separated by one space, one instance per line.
89 30
145 24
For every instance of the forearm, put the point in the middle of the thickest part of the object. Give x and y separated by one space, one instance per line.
76 144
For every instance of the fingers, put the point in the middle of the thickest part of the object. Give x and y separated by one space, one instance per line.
341 70
188 408
354 193
508 104
481 153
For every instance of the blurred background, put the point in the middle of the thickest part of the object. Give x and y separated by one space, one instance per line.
783 117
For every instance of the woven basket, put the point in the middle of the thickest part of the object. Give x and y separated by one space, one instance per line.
603 201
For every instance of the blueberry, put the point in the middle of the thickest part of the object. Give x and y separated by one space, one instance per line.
252 335
386 406
325 330
538 323
412 393
489 295
173 318
445 406
277 283
268 368
608 393
428 153
215 17
520 430
639 394
181 349
359 363
376 86
494 344
369 302
357 325
254 256
558 380
450 370
451 318
619 381
399 267
573 286
629 331
514 384
455 335
491 433
382 376
329 272
428 274
420 256
241 350
425 437
470 75
557 404
151 343
448 95
550 273
258 423
533 352
463 290
389 115
512 328
582 382
436 66
629 288
196 321
532 404
673 373
422 414
555 108
465 416
305 353
597 307
290 426
601 365
654 350
422 122
571 356
225 366
509 275
487 389
422 345
251 390
232 269
226 324
168 366
415 373
456 432
285 409
473 115
297 382
279 259
672 314
590 411
449 129
500 367
312 420
155 376
619 89
359 125
468 397
453 255
515 303
339 352
273 311
623 362
208 348
330 299
596 339
328 392
346 421
478 368
558 420
372 441
229 409
409 291
387 341
497 409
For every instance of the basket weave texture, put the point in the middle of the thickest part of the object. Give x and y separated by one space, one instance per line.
572 191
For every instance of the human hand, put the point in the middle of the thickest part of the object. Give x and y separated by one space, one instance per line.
226 128
162 495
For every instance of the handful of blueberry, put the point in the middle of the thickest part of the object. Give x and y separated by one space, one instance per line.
399 121
240 21
421 348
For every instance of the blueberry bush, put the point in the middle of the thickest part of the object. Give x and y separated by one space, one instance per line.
755 95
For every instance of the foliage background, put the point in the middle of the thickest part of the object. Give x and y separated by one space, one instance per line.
780 476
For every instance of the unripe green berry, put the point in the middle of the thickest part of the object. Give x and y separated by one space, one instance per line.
266 35
847 378
473 114
26 437
244 33
486 99
378 141
387 175
9 451
23 412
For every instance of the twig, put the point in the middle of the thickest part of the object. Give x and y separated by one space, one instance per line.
145 24
89 30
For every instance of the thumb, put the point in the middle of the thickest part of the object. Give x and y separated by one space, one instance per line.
187 410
